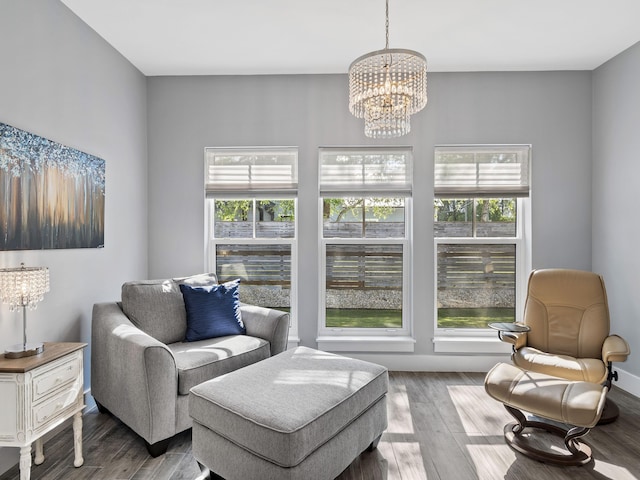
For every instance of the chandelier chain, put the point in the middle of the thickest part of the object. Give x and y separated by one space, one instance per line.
386 25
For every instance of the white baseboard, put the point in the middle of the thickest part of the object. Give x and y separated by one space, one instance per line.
432 363
89 402
628 382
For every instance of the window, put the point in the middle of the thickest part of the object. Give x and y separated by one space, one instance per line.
251 223
365 199
481 230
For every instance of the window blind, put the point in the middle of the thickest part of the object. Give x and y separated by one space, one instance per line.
482 171
366 171
253 171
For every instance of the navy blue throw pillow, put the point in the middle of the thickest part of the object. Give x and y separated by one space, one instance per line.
212 311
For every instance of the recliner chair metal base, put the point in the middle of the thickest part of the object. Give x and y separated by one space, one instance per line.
579 453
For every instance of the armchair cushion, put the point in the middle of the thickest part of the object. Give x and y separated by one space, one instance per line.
563 366
157 308
212 311
200 361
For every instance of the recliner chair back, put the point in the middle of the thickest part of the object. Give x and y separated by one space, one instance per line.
567 311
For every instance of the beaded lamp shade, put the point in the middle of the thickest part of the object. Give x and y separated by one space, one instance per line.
23 288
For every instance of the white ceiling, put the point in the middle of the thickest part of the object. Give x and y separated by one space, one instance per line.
204 37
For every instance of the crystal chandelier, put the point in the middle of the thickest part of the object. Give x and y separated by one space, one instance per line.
386 87
21 288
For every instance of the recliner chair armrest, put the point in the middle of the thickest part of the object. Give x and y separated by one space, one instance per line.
267 323
517 339
615 349
132 374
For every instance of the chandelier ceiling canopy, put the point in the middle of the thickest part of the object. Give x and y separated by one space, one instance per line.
386 87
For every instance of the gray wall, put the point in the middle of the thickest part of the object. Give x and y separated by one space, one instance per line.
616 170
551 110
60 80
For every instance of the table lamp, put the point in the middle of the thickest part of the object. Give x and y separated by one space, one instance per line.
23 287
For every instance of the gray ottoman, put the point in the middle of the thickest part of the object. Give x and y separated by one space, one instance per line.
302 414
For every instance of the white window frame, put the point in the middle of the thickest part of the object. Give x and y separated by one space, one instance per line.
367 339
244 190
477 340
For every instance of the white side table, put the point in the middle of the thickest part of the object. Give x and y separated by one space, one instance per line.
37 394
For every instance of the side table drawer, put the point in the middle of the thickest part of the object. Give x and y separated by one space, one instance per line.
62 374
54 406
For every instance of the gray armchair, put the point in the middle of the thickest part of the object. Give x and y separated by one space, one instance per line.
142 371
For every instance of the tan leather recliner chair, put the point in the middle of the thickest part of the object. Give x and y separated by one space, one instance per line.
568 315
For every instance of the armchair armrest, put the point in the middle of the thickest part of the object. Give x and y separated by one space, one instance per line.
132 374
615 349
267 323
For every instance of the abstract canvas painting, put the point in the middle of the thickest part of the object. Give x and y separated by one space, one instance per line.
51 195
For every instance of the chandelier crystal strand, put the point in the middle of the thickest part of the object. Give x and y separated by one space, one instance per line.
386 87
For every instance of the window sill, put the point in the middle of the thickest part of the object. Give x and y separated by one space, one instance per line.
365 344
469 345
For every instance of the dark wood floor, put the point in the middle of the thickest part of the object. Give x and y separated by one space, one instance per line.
442 426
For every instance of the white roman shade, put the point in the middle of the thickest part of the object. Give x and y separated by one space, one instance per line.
366 171
482 171
255 171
